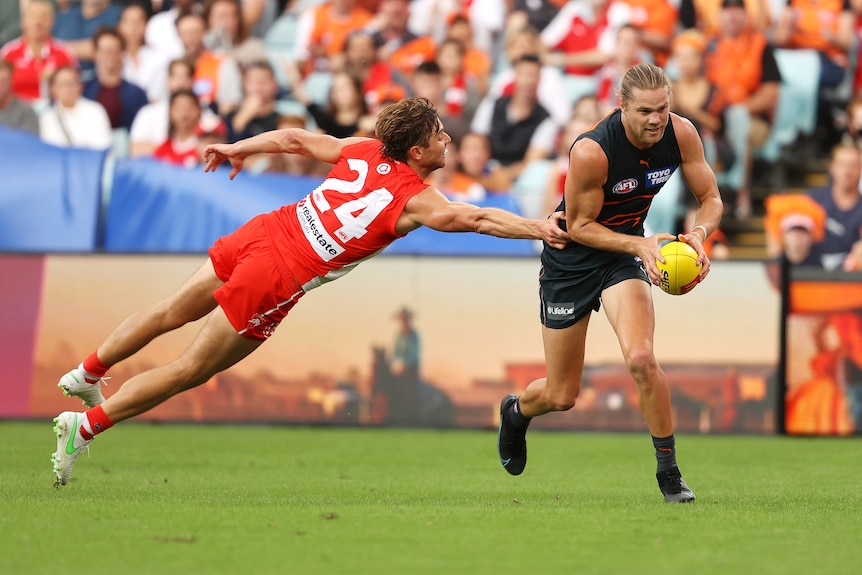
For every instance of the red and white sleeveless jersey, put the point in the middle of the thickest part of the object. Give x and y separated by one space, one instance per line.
350 217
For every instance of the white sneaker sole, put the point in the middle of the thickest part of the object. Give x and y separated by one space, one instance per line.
72 386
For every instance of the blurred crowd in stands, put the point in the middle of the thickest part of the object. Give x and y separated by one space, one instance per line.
515 81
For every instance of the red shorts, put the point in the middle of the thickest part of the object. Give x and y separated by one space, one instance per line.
259 290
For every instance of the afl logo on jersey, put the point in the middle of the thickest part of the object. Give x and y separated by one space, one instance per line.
383 169
625 186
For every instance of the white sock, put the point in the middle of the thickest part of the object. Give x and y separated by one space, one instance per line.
88 377
85 424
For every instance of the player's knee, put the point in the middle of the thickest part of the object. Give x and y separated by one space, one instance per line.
641 363
561 400
188 372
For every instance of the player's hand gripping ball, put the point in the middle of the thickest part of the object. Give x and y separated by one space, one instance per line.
680 268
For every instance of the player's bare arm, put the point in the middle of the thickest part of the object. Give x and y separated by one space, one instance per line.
701 180
432 209
588 170
291 140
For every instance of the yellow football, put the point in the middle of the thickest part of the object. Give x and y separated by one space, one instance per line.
680 268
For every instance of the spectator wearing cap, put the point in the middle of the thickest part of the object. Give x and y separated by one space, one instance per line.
793 224
740 62
36 54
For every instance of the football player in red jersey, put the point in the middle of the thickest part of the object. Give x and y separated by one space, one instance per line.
374 194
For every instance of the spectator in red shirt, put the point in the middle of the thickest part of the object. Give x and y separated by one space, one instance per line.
182 146
35 55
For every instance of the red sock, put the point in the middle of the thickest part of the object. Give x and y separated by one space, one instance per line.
94 366
97 421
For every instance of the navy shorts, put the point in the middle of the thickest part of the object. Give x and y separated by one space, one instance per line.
565 297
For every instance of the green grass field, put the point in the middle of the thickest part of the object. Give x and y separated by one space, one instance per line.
249 500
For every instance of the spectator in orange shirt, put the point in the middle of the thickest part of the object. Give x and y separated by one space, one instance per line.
35 54
217 80
740 62
826 26
657 20
396 45
704 14
322 31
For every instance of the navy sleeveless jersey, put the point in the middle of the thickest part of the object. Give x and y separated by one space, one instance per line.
634 177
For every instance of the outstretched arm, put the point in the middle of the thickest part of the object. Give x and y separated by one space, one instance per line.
291 140
432 209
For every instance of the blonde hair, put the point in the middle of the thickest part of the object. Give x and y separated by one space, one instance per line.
642 77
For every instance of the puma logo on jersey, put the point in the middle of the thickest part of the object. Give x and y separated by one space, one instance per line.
644 163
